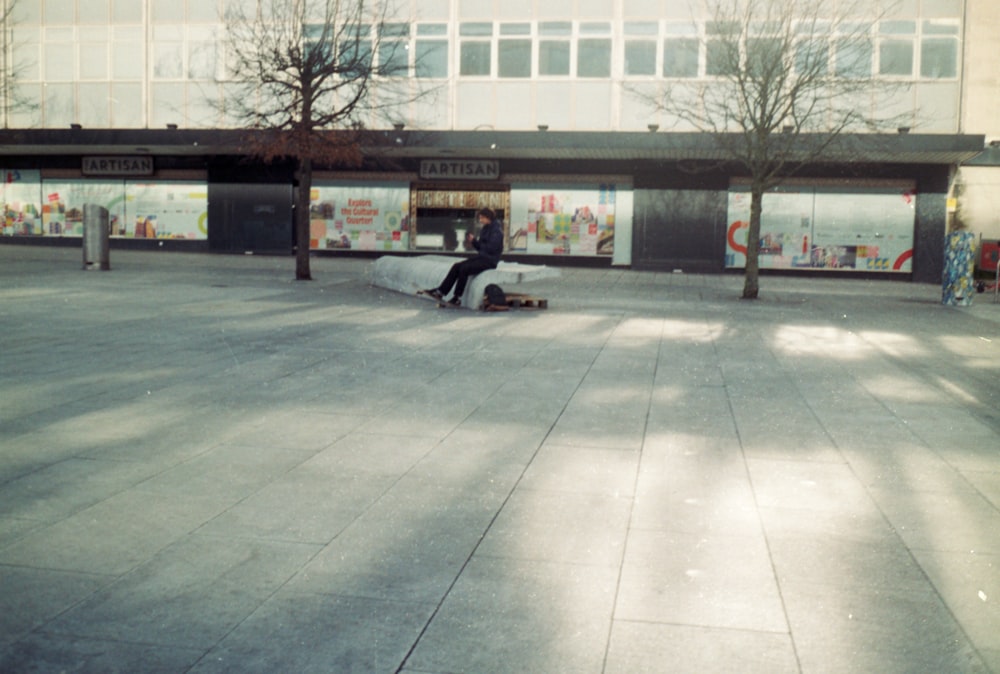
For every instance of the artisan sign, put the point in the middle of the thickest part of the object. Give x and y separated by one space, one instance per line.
459 169
118 166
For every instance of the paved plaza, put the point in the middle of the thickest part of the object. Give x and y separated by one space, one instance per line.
208 467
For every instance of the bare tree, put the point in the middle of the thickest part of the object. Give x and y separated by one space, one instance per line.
11 99
304 77
784 79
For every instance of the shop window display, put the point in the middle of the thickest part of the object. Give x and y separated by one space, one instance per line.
444 216
22 208
143 210
850 227
562 220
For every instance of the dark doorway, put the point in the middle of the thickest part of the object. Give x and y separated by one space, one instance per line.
253 218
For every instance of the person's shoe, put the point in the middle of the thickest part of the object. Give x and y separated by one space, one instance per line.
434 292
455 301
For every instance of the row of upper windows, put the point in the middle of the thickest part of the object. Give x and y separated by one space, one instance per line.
927 49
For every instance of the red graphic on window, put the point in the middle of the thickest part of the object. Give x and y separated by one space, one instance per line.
898 264
731 236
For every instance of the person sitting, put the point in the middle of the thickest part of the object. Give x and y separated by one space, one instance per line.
489 247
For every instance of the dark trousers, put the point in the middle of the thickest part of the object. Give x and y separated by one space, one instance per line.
460 272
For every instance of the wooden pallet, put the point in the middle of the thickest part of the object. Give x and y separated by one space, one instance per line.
519 301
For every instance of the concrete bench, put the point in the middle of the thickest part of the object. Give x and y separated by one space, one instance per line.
410 274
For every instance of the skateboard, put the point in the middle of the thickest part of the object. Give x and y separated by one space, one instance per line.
442 304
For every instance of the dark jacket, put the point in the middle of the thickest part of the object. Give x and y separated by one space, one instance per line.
490 242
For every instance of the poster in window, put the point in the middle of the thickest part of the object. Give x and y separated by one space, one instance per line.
359 216
562 220
64 200
165 210
21 203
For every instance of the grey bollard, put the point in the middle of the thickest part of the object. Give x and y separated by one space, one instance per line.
96 237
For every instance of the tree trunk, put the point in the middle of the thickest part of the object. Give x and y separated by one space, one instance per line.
751 280
303 178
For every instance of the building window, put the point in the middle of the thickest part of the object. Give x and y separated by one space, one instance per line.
721 53
201 53
431 52
554 47
168 60
681 50
355 48
514 50
58 51
127 62
812 53
124 11
765 52
314 36
593 54
895 49
393 50
94 61
939 50
853 52
640 48
475 49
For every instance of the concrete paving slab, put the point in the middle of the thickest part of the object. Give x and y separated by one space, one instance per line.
846 562
648 647
604 412
698 579
967 582
59 653
300 506
520 616
316 633
699 411
409 547
480 456
707 505
207 466
31 598
115 535
987 484
190 595
567 527
885 630
584 470
957 521
810 485
61 489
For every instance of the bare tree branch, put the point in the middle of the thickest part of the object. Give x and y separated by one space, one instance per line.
12 99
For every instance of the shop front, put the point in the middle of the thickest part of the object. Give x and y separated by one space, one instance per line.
542 216
649 201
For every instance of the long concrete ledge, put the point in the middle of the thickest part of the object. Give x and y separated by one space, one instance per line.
411 274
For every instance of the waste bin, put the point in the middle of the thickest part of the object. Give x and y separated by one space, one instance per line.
96 237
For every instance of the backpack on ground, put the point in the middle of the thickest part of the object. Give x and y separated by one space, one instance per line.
496 299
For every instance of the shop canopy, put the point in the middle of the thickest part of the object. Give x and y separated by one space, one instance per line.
401 143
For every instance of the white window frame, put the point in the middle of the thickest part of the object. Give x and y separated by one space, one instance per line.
637 36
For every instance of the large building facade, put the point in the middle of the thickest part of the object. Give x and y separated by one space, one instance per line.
537 108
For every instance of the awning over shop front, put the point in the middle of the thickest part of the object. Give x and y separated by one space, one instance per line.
900 148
